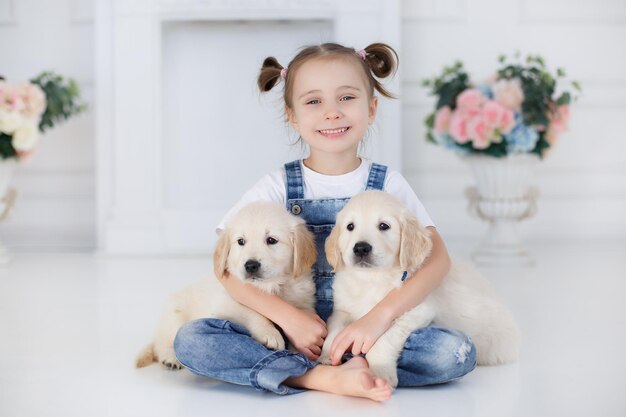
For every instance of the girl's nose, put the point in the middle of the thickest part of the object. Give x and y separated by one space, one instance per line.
333 113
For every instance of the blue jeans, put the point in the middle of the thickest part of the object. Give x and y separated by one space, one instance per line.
225 351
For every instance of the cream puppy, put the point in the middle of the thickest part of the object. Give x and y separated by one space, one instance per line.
375 242
263 245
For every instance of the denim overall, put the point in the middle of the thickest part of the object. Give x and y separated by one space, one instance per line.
319 216
225 351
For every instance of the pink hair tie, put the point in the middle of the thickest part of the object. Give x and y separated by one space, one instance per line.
283 73
362 54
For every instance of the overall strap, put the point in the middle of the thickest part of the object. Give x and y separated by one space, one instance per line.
295 187
376 178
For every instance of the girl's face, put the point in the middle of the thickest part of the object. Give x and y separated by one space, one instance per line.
332 107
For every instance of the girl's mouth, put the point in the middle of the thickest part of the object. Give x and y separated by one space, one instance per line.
334 133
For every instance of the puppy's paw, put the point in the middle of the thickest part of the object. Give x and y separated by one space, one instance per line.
270 338
324 358
167 358
171 362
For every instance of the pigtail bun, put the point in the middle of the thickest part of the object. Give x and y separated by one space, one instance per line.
269 75
382 60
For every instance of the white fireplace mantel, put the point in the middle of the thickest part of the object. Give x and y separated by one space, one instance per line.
140 208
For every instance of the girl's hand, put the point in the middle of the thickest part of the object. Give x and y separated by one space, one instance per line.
360 336
306 332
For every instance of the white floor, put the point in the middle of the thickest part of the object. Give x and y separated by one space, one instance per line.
71 324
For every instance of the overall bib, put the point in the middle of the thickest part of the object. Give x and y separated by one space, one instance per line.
225 351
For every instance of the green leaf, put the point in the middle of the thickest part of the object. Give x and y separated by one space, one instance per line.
430 121
565 98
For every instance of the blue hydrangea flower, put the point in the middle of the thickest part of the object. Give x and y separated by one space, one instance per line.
521 139
485 90
448 142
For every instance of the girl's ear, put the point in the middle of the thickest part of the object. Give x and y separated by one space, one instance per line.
220 255
304 252
291 116
373 109
415 244
333 253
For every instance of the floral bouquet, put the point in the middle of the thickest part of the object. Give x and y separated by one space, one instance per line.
517 111
28 108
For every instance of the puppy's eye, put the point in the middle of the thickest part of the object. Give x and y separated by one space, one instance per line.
241 242
271 241
383 226
350 227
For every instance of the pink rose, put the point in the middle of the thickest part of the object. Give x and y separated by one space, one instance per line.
479 131
458 127
509 93
442 119
493 112
498 117
34 100
558 123
507 121
563 113
470 101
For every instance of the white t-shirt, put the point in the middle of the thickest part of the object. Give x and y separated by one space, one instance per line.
317 186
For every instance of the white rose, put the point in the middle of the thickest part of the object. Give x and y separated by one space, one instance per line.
25 138
509 93
10 121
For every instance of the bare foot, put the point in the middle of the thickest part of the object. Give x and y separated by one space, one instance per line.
353 378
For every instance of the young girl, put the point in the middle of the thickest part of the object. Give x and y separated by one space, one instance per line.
329 100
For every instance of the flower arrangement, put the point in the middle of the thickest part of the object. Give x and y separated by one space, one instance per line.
30 108
517 111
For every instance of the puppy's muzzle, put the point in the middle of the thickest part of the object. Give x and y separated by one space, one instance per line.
252 266
362 249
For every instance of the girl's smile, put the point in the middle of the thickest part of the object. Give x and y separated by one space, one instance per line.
332 110
334 133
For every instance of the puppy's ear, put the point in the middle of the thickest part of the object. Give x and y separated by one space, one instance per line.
304 253
333 253
220 255
415 244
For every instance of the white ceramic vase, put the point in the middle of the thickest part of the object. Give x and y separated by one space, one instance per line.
7 198
503 196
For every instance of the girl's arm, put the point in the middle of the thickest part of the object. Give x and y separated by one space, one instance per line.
306 331
363 333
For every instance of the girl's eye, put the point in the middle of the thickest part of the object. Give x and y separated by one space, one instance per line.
316 101
241 242
271 241
346 98
350 227
383 226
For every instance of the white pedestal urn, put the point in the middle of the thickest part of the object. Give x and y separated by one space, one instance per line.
7 198
503 196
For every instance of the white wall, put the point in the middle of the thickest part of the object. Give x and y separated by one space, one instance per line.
583 180
56 204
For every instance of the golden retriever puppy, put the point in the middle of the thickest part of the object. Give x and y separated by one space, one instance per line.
263 245
377 240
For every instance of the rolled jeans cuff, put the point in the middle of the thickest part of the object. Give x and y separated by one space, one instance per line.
270 372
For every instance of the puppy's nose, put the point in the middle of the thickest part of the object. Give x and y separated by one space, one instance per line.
252 266
362 249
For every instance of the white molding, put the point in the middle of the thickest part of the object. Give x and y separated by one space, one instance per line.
8 15
597 12
434 10
131 216
56 184
82 12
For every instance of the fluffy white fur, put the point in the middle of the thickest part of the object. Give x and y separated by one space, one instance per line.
262 232
464 301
